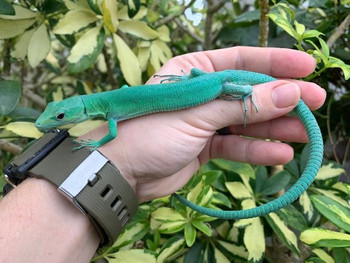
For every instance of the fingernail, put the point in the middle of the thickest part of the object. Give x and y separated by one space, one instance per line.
285 95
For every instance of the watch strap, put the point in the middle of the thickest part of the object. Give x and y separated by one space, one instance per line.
88 179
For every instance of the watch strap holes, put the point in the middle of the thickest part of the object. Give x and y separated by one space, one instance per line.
116 203
106 192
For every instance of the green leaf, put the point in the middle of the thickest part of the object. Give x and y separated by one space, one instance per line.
12 28
132 256
6 8
220 257
96 6
311 34
20 49
237 167
82 56
200 225
320 237
190 234
283 232
172 247
276 183
126 57
221 199
39 46
324 47
328 171
306 204
260 178
10 92
335 212
340 255
131 233
73 21
300 28
284 24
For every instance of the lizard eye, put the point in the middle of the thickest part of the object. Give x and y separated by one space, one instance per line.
60 116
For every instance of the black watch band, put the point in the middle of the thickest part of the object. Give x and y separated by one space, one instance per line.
87 178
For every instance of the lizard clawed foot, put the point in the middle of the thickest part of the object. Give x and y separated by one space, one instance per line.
90 143
171 77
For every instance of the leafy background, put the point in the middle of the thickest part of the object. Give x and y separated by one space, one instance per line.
52 49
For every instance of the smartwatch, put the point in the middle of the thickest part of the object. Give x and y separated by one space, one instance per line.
87 178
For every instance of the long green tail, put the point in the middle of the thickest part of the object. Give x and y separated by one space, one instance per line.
305 180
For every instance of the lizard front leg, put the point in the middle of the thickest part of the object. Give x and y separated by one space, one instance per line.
93 144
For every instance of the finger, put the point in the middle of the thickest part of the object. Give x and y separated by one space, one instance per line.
287 129
253 151
313 95
273 99
277 62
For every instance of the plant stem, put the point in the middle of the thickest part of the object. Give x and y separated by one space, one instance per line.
329 131
264 23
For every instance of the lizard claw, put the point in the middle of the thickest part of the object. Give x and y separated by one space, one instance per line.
90 143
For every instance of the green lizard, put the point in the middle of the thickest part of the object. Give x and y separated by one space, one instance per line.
183 92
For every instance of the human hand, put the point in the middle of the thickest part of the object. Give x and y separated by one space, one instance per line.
159 153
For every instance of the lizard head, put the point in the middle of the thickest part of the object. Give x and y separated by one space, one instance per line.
58 113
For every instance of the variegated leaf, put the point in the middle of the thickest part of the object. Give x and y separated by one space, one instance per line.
83 55
138 28
132 232
329 171
172 247
254 240
323 255
132 256
283 232
12 28
73 21
20 49
305 202
238 190
21 13
236 251
321 237
110 14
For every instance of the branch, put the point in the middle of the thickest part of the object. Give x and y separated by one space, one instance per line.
339 31
169 18
189 32
263 23
212 9
111 77
34 98
10 147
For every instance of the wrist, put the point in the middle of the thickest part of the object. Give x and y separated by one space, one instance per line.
44 217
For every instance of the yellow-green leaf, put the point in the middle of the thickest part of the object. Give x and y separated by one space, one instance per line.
12 28
329 171
24 129
323 255
160 53
254 240
39 46
73 21
333 195
131 256
190 234
138 28
284 24
20 49
110 14
323 237
300 28
21 13
238 190
132 232
129 63
78 5
84 127
164 33
83 55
